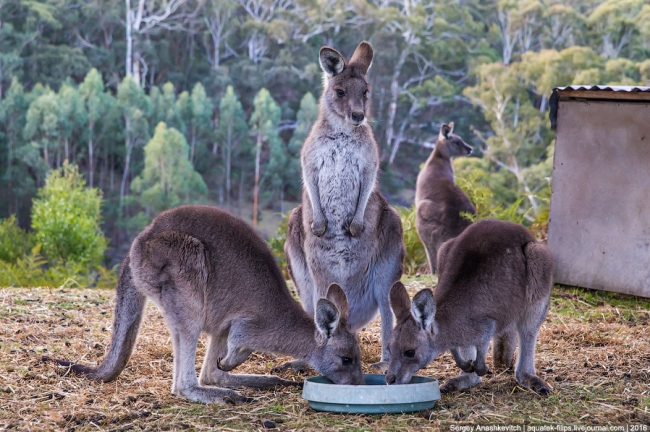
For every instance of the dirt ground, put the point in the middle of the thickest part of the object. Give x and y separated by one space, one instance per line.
594 349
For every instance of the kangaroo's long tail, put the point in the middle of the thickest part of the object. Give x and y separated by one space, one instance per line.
129 310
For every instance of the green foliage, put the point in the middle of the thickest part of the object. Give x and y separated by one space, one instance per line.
415 260
32 270
276 243
14 241
483 199
66 218
168 178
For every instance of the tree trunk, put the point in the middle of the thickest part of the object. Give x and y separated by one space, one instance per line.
192 145
129 40
240 197
125 175
90 156
394 95
256 189
228 157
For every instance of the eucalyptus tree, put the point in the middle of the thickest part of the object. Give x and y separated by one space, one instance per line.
134 106
42 126
515 123
97 105
232 134
264 124
615 23
195 111
168 178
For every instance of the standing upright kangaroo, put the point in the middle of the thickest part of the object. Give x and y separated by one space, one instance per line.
495 281
209 271
345 231
438 200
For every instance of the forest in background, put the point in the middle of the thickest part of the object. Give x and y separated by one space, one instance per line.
164 102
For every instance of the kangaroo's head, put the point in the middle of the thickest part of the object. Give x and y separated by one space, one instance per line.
345 88
411 343
449 144
338 356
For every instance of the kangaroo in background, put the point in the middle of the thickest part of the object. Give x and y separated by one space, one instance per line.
438 200
495 281
344 231
209 271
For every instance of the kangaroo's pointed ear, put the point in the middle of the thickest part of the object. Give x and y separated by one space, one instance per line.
331 61
424 309
400 301
445 130
336 295
362 57
327 317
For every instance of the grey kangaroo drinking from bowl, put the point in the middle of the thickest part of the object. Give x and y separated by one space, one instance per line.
209 271
495 282
345 231
438 200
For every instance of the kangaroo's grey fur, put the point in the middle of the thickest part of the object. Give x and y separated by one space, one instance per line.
209 271
495 281
438 200
345 231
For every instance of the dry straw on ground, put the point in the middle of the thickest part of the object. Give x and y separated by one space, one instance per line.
594 349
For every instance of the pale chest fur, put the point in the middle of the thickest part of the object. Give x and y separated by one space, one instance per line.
340 163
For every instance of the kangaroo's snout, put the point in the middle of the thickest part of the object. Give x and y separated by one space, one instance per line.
391 379
357 117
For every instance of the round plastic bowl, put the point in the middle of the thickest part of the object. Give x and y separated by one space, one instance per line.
373 398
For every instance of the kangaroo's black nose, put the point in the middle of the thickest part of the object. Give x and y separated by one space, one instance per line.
390 379
357 116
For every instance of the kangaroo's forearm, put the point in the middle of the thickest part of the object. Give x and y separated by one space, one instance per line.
311 184
365 190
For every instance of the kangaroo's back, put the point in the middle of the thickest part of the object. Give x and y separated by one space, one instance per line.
485 268
201 242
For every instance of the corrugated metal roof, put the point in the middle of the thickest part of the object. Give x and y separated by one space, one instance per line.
628 89
594 92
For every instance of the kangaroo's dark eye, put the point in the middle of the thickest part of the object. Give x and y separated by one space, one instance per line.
340 93
365 93
409 353
346 361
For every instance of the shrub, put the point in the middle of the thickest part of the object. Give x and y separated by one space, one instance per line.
483 199
277 244
14 241
32 270
415 260
66 217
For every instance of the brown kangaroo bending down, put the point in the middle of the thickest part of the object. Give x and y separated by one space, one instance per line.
495 282
344 231
209 271
438 200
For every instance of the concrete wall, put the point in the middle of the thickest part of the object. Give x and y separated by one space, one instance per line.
599 226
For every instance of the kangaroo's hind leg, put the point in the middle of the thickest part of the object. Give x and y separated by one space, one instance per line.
466 379
388 270
185 336
503 349
221 357
525 371
539 268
